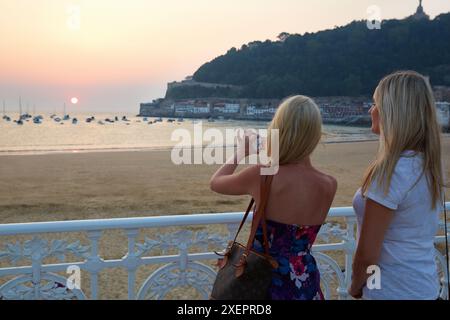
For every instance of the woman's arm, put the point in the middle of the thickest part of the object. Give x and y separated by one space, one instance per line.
377 219
225 181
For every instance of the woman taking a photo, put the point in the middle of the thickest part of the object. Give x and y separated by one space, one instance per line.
399 203
298 202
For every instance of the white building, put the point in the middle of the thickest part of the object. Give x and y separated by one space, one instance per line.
182 108
227 108
232 108
443 114
253 110
204 109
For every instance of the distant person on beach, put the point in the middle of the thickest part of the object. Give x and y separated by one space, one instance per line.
299 199
399 203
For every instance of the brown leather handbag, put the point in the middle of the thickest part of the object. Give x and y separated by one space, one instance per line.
245 274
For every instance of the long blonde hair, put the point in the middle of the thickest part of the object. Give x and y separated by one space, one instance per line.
408 121
299 125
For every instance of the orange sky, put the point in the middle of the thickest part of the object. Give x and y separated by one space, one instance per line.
119 53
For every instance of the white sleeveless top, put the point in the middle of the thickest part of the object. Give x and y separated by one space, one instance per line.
407 261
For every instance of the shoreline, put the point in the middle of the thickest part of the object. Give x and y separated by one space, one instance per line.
25 152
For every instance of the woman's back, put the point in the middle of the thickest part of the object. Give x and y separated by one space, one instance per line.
300 195
297 205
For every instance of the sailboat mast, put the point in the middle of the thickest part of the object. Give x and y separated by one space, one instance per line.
20 106
64 109
4 112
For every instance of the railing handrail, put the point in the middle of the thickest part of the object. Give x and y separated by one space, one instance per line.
138 222
141 222
36 279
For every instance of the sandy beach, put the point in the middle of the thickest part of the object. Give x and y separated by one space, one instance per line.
126 184
141 183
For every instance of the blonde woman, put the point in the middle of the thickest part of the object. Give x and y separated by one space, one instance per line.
399 203
299 199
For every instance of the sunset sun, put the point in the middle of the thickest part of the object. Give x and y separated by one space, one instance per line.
74 100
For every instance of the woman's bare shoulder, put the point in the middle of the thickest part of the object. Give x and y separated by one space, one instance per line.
327 181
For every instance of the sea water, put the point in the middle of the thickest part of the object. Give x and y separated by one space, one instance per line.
136 134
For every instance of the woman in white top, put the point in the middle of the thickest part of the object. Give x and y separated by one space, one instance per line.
399 203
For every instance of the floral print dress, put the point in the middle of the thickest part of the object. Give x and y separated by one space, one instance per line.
297 276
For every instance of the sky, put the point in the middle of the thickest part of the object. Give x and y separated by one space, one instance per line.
114 54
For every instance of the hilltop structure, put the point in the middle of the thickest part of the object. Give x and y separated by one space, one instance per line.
420 13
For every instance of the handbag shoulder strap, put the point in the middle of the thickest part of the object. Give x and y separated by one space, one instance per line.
260 214
263 186
250 205
264 191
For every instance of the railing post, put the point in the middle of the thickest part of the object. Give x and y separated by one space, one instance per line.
350 246
36 264
183 250
94 262
131 261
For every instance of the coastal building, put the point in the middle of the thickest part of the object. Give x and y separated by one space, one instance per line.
443 114
346 113
253 110
337 111
340 110
187 107
334 110
222 107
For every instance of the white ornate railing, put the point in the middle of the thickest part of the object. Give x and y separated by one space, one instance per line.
36 279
